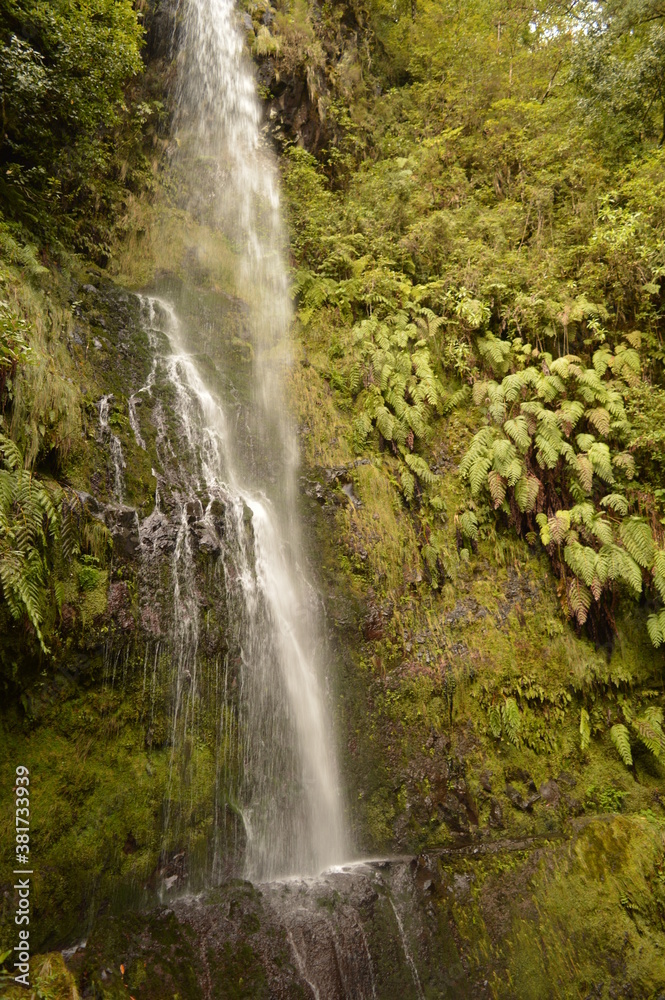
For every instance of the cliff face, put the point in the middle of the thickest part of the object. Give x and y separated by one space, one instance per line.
433 213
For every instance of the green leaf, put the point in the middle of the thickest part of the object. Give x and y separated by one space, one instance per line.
621 739
636 536
526 492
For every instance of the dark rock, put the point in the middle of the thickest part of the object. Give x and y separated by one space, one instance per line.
485 782
120 606
268 18
158 534
519 801
376 620
123 523
194 510
150 621
496 815
206 538
549 792
67 617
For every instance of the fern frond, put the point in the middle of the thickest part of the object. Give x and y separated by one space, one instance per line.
494 720
579 600
650 734
408 484
621 738
512 720
456 399
636 536
616 502
526 492
585 473
468 524
626 463
656 628
600 419
518 431
497 487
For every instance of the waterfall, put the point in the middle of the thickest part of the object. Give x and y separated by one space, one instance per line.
289 789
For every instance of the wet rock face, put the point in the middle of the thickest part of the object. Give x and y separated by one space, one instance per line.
456 924
350 933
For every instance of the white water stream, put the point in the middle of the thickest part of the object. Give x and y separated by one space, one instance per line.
292 807
290 792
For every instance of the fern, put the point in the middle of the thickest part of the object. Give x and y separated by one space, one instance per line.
512 720
656 628
29 525
650 734
542 442
636 536
585 729
616 502
468 525
526 492
621 738
579 600
494 351
494 719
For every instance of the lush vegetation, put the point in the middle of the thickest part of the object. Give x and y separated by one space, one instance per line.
476 200
70 143
505 221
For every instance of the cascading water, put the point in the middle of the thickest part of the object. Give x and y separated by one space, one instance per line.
291 803
289 789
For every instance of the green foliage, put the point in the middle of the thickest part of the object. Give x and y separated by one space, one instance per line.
14 351
29 529
42 529
398 392
646 730
505 720
585 729
621 739
554 443
63 69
